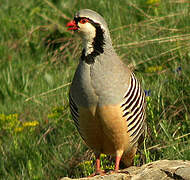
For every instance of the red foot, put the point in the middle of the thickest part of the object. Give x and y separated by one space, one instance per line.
113 171
99 172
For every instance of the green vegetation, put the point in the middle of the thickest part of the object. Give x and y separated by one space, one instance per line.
38 57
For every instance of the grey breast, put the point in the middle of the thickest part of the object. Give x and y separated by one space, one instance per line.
103 82
81 88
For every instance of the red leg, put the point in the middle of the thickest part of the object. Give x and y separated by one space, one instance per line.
119 154
117 161
98 164
98 170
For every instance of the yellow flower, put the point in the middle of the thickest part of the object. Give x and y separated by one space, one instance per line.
56 112
154 69
52 115
30 124
103 156
152 2
88 163
12 116
85 163
9 122
2 116
19 129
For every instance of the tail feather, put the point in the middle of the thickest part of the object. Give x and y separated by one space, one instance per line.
128 157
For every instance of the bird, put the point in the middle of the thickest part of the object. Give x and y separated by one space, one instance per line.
106 100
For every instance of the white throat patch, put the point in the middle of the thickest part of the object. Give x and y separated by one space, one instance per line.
88 33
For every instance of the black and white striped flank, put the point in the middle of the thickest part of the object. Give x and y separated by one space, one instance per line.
74 112
134 109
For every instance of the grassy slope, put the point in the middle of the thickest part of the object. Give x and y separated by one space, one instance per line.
153 38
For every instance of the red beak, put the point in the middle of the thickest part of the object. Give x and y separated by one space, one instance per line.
72 25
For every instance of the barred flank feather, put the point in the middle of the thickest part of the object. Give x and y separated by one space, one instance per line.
134 109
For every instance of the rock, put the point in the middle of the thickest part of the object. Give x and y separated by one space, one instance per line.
158 170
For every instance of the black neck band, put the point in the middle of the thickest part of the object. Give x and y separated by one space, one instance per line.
98 43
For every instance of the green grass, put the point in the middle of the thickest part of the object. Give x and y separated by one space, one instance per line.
38 59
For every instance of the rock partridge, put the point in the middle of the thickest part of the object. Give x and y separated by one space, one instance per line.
106 100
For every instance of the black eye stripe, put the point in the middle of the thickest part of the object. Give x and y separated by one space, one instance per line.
77 20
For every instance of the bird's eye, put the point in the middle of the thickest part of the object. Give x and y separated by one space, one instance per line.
83 21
